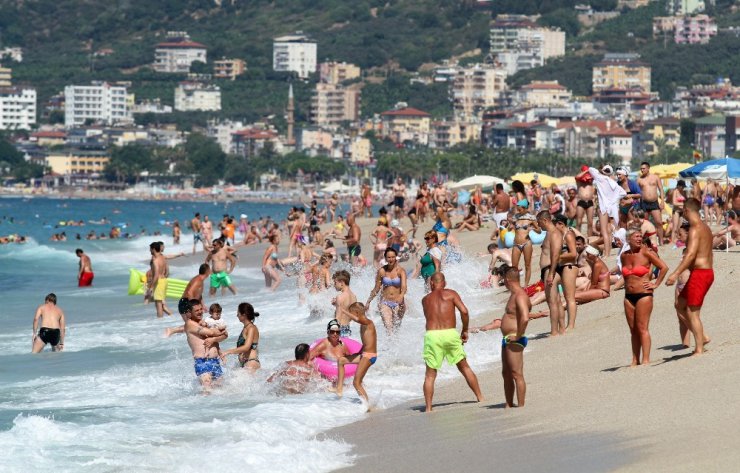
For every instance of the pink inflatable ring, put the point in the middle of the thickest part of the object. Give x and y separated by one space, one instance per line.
329 368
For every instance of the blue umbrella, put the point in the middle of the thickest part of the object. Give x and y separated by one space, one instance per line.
723 169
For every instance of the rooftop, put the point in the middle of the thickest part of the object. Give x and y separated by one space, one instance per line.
181 45
406 112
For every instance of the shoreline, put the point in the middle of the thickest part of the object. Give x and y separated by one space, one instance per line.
586 409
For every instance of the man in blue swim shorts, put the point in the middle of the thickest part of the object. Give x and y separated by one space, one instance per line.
203 343
513 327
441 340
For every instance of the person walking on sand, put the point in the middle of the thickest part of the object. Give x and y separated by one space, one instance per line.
85 274
53 327
514 341
609 193
441 339
699 260
366 357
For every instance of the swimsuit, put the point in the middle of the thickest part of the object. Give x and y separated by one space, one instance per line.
86 279
697 286
51 336
391 304
395 282
633 298
239 343
373 357
585 204
398 202
521 341
210 366
220 279
440 228
708 200
354 250
160 292
440 345
649 206
638 271
427 265
197 237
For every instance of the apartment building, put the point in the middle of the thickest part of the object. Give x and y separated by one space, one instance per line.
446 134
99 102
6 77
697 29
251 141
77 162
294 53
664 26
732 135
659 133
338 72
518 43
406 125
543 94
229 68
476 88
685 7
333 104
615 141
197 97
360 150
621 71
709 135
178 53
17 108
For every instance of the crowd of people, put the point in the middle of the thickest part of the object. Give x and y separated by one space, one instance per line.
620 215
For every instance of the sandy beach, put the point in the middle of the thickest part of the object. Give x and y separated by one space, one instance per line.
586 410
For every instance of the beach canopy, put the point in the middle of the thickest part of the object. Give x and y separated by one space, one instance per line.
486 182
723 169
669 171
543 179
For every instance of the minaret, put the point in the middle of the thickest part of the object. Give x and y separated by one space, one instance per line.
291 119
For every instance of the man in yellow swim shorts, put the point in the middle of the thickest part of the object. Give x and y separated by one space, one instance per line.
157 284
442 340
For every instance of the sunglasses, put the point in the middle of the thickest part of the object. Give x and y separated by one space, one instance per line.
334 331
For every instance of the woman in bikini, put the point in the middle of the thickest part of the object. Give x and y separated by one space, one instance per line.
270 263
333 203
567 267
471 221
390 281
379 238
246 345
600 278
522 244
422 202
638 292
442 228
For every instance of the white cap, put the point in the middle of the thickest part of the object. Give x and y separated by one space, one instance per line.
622 170
591 251
244 216
607 169
395 223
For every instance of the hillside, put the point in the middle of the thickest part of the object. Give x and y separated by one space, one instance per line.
60 36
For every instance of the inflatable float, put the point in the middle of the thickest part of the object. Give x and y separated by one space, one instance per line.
506 238
329 368
137 285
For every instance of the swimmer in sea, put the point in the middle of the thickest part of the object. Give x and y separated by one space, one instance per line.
53 327
343 301
366 357
330 348
296 376
205 355
514 341
442 340
85 274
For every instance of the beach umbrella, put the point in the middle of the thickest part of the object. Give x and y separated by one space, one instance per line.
723 169
486 182
543 179
669 171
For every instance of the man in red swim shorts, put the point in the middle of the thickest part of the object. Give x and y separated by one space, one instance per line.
699 260
85 274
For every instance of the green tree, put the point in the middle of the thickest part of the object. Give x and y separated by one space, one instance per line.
207 160
128 162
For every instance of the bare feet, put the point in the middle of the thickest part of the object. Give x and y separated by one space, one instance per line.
337 391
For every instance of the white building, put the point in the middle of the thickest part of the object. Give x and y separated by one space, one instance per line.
520 44
100 102
476 88
177 55
151 106
333 104
197 97
16 54
294 53
17 108
221 131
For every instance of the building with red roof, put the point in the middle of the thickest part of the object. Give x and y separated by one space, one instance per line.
406 125
177 54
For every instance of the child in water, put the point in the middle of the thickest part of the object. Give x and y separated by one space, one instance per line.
214 320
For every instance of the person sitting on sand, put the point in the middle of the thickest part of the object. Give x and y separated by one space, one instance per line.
730 236
471 221
600 278
296 376
366 357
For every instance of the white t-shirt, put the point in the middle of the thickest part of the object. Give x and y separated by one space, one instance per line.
436 252
213 323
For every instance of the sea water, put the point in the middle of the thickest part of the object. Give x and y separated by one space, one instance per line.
120 397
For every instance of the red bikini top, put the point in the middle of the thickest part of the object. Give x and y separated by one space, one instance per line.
638 271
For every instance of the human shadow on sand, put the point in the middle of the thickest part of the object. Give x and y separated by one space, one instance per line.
442 404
